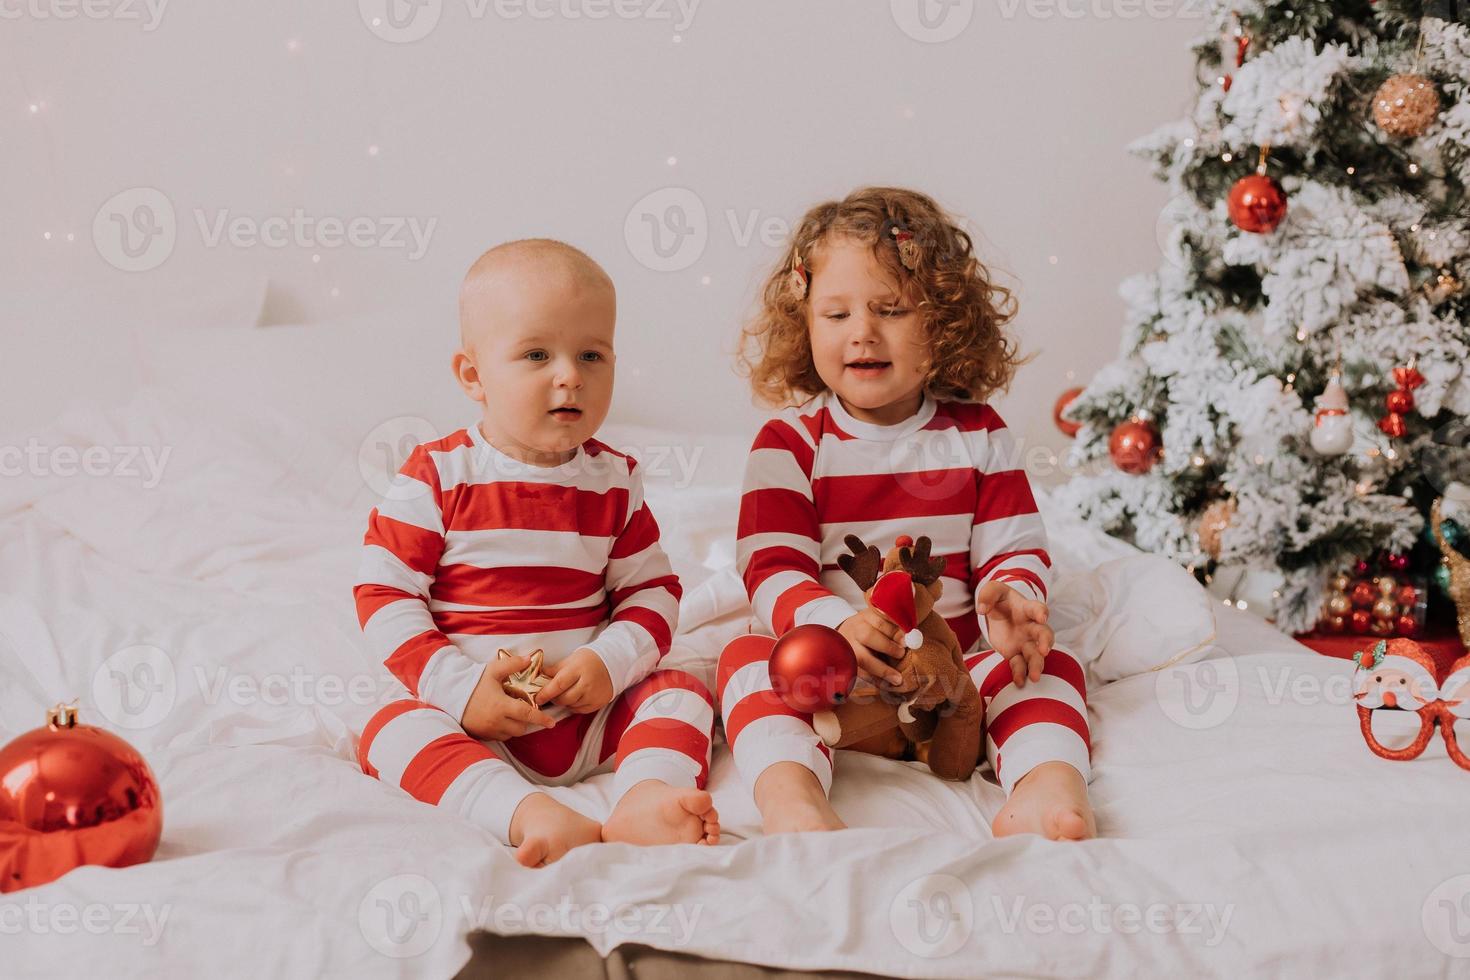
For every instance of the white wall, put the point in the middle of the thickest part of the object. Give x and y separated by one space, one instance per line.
507 124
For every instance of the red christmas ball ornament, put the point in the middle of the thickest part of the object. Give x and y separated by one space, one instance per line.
1407 626
1394 425
1396 561
1408 595
813 668
1400 400
1360 620
1067 426
1257 203
1407 377
70 795
1361 566
1363 595
1134 446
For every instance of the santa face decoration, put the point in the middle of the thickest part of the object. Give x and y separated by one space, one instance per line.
1399 675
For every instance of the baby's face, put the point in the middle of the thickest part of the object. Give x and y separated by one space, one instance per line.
868 342
542 353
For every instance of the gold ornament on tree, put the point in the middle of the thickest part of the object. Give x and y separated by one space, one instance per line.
1212 525
1405 106
1442 287
1459 567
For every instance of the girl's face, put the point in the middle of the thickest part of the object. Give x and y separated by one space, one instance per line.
867 340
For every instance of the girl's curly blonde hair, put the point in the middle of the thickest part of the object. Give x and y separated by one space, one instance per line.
962 310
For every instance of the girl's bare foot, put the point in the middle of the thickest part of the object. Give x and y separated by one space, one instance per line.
791 799
653 812
542 830
1050 800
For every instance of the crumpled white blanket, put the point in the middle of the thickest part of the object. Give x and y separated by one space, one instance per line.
207 619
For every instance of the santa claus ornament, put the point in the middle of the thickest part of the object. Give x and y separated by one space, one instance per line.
70 795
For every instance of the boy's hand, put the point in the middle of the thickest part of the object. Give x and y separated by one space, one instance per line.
493 715
580 683
873 636
1017 629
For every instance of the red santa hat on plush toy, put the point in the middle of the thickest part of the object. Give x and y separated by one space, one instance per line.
893 596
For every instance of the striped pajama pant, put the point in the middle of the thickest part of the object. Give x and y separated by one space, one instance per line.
1044 721
657 729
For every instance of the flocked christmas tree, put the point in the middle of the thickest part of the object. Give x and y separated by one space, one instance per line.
1292 380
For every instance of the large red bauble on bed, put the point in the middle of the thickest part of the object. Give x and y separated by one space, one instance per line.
71 795
813 668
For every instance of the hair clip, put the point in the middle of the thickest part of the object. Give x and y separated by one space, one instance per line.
908 248
798 280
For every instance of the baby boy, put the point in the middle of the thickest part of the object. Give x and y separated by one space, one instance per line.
524 533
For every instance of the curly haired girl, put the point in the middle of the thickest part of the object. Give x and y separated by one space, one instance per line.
880 337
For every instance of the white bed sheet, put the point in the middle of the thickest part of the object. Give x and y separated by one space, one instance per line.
1245 827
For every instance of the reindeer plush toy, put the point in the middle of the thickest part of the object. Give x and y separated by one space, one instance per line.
934 714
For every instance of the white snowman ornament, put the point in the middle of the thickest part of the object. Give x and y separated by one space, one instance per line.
1332 433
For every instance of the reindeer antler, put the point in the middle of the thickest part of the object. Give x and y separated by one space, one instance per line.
919 565
863 565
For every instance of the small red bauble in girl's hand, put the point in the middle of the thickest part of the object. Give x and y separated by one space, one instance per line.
813 668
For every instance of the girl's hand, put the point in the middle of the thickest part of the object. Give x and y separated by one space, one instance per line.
873 637
1017 629
580 683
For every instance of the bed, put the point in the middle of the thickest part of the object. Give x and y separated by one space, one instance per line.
1245 828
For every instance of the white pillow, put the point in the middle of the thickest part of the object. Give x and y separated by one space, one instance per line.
1132 615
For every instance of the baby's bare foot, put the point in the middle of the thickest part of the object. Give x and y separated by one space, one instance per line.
653 812
791 800
1050 800
542 830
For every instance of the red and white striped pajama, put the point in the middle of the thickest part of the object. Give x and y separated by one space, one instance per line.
472 551
816 474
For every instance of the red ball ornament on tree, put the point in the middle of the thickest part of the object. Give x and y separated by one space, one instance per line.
1134 446
1067 426
1361 620
1400 400
1394 425
813 668
70 795
1363 595
1257 203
